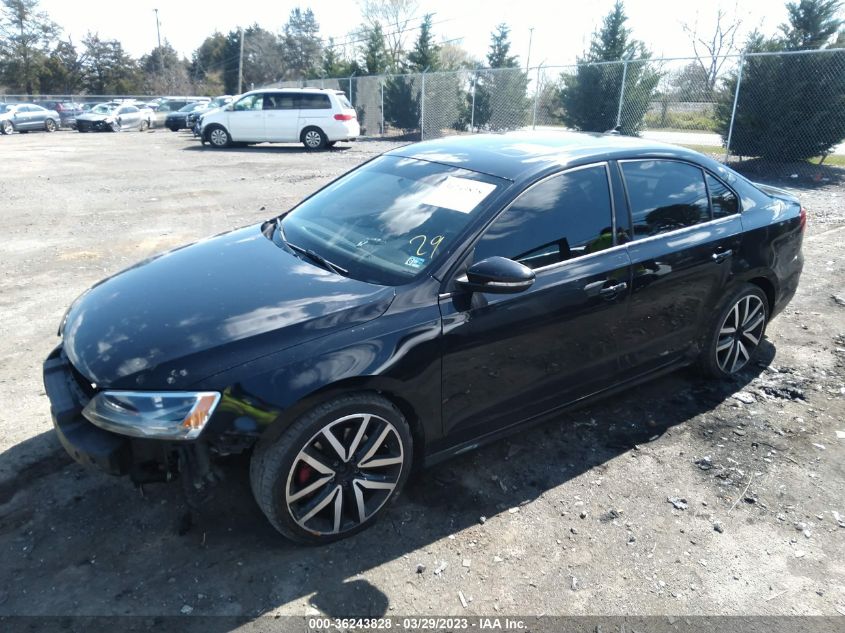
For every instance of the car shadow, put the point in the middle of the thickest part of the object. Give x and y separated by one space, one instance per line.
264 148
86 543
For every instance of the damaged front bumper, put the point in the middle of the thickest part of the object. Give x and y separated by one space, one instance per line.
141 459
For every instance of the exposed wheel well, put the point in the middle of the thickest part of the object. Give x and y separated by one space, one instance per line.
353 385
768 288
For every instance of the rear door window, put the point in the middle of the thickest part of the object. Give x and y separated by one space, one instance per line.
560 218
664 196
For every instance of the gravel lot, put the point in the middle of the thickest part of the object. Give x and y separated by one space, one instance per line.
573 517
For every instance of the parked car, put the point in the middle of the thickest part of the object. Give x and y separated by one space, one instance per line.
112 117
316 118
68 111
429 301
192 121
168 106
25 117
176 121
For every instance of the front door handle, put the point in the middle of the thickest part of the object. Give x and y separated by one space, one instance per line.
603 290
719 256
612 291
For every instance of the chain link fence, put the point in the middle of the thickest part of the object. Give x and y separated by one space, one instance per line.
784 109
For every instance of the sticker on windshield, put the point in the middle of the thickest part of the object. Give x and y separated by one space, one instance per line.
415 262
458 194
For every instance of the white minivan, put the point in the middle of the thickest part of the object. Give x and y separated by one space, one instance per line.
314 117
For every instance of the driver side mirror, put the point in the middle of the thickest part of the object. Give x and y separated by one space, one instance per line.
497 275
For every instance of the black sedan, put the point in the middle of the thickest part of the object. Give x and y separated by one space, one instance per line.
176 121
433 299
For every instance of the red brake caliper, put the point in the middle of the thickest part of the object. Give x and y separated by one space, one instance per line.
304 473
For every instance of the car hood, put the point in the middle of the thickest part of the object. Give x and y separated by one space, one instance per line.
93 117
187 314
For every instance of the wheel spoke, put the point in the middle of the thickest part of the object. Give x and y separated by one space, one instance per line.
309 457
317 504
359 502
335 444
374 485
373 446
751 338
724 345
380 462
338 509
309 488
356 441
750 313
753 326
727 330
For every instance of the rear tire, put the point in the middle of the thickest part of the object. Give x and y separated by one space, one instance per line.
218 137
313 138
7 127
334 470
736 333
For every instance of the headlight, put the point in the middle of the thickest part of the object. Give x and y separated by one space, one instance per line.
164 415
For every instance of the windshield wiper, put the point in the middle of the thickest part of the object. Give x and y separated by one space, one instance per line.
316 257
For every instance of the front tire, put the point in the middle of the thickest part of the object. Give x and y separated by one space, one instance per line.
334 470
144 126
314 138
50 125
218 137
736 333
115 127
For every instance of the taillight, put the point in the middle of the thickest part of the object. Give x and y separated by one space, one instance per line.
344 117
802 218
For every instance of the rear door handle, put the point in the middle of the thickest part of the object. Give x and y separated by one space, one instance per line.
719 256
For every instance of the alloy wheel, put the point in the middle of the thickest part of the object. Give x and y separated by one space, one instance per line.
344 474
313 139
740 333
8 128
50 125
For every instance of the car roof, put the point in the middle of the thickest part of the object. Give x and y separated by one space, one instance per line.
525 155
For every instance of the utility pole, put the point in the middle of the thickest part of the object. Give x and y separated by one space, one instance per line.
530 38
241 64
158 33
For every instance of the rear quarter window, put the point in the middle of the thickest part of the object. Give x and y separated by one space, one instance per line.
314 102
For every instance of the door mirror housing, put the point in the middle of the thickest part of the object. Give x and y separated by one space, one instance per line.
497 275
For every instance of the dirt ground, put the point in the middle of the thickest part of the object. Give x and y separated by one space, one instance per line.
571 517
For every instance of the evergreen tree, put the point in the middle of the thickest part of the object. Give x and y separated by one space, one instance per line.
26 34
62 72
301 45
501 101
424 54
107 69
164 72
263 59
375 60
334 65
589 98
500 45
790 107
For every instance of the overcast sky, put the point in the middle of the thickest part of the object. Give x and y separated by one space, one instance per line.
561 29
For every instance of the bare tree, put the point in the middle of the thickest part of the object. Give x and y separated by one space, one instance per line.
397 18
711 50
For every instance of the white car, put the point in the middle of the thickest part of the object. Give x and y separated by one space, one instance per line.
311 116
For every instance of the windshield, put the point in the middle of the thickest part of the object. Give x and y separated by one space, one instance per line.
389 220
190 107
4 107
103 108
